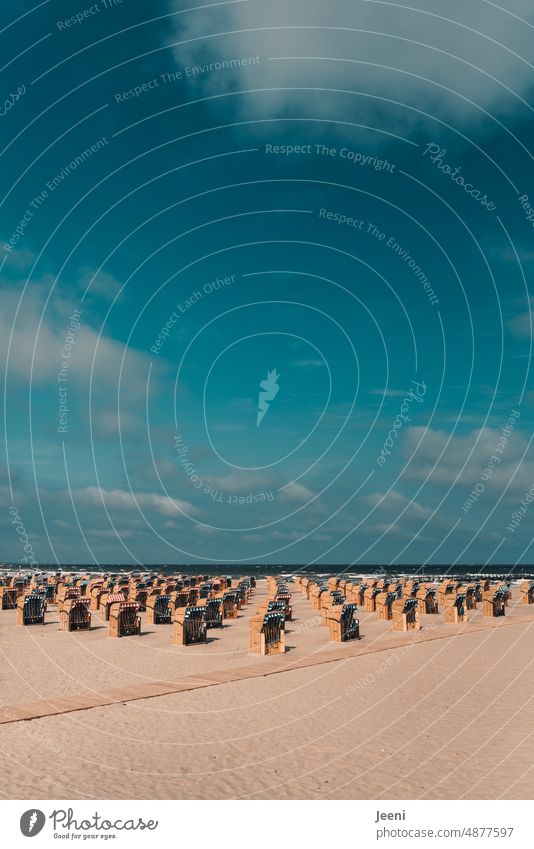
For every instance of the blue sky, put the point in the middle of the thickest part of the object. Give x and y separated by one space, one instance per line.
193 198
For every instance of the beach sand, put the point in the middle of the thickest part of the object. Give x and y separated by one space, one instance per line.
447 712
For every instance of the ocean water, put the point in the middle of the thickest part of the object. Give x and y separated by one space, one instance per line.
501 570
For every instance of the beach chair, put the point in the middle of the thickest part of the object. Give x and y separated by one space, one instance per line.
179 598
456 612
139 594
31 609
106 600
446 588
204 591
190 626
356 595
470 596
244 592
192 596
230 605
526 591
404 615
427 601
213 612
124 619
66 591
8 598
369 598
342 623
74 614
494 601
410 589
158 610
329 600
384 603
267 634
314 591
95 593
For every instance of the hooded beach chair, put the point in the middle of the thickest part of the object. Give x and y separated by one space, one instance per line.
267 634
75 615
31 609
404 615
526 591
124 619
456 611
230 605
158 610
494 601
369 598
106 600
427 600
446 588
384 603
343 623
8 598
190 626
213 612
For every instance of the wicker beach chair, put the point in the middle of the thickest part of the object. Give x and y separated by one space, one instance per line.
190 626
410 589
456 611
230 605
369 598
213 613
343 625
404 615
158 610
526 591
446 588
494 601
267 634
75 615
205 591
31 609
124 619
427 600
179 598
8 598
106 600
384 604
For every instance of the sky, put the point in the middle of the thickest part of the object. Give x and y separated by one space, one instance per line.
266 282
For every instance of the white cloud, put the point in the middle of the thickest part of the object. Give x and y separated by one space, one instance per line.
456 467
296 492
38 336
391 35
121 499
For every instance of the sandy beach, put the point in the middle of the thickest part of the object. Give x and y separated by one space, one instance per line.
446 712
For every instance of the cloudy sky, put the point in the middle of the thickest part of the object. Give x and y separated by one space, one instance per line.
265 281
